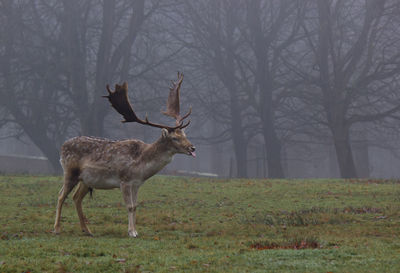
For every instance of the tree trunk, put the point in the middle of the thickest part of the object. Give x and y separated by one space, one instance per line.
273 149
241 160
108 60
344 154
216 152
48 148
361 155
333 162
94 120
264 76
241 157
272 143
239 142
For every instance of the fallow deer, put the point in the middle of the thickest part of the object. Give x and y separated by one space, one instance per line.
93 163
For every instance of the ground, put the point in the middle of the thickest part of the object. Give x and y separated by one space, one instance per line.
206 225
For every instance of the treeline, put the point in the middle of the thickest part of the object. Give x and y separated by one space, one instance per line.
283 71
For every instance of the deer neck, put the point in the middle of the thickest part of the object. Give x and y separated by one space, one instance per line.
155 157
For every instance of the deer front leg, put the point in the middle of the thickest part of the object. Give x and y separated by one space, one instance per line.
129 192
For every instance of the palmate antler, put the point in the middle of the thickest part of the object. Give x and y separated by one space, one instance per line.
120 102
173 109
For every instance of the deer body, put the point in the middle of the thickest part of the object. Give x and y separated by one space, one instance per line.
94 163
103 163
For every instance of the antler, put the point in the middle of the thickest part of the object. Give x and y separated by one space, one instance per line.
120 102
173 109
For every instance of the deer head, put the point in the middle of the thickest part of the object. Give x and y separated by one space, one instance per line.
174 136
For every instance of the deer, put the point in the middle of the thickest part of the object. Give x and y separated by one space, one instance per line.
95 163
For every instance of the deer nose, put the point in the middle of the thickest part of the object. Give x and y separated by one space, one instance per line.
192 149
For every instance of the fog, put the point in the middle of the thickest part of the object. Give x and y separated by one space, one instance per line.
278 89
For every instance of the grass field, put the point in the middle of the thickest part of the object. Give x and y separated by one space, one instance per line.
206 225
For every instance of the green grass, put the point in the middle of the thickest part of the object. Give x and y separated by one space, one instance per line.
206 225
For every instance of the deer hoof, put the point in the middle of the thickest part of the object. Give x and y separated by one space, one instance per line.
133 233
87 233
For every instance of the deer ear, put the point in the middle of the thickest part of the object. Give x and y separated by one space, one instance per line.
164 133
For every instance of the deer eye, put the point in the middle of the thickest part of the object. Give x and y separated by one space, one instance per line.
174 138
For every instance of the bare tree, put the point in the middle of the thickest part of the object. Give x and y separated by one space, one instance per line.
87 72
210 33
29 85
56 59
241 43
349 64
271 28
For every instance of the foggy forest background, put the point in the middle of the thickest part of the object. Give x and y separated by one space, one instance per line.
284 88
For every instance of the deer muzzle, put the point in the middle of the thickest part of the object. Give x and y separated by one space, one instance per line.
191 151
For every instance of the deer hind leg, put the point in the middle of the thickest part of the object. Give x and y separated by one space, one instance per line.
70 181
79 194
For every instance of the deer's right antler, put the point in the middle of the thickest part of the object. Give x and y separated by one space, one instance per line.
120 102
173 108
